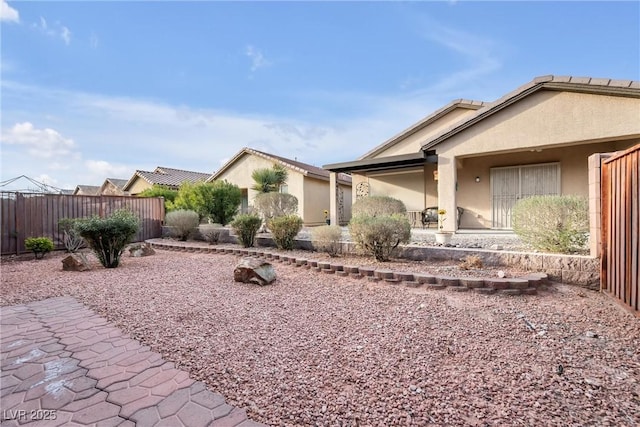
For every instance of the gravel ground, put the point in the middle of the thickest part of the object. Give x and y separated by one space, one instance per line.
315 349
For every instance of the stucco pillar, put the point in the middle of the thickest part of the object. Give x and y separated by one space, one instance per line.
447 178
333 198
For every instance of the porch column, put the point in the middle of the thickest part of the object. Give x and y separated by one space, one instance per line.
333 198
447 178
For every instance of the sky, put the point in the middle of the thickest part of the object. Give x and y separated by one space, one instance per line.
93 90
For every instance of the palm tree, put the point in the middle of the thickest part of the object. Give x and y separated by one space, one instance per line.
269 180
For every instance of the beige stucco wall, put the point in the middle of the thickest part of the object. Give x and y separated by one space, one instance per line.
548 118
138 186
475 197
544 120
414 142
415 187
312 193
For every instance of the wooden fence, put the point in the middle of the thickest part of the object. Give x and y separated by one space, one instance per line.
25 215
620 268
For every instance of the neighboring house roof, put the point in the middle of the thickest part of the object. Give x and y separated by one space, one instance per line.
303 168
120 183
167 176
88 190
458 103
629 88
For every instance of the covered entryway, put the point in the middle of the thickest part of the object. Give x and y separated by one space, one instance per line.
510 184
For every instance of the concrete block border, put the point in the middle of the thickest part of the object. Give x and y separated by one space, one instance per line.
525 285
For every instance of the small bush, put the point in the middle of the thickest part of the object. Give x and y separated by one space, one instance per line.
552 223
212 233
109 236
380 235
284 229
182 222
161 191
71 238
216 201
471 262
327 239
246 227
272 205
39 245
378 206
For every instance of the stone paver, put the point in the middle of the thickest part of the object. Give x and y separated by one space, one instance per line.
61 364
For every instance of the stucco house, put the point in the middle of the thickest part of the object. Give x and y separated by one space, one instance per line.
310 184
484 156
86 190
169 177
113 187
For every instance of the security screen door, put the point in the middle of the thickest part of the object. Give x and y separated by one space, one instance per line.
510 184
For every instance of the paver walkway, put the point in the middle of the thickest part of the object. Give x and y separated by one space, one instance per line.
63 365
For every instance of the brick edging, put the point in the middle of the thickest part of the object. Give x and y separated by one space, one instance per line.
528 284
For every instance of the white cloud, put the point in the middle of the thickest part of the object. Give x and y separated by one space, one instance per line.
257 58
102 169
57 30
66 35
43 143
114 136
7 13
94 41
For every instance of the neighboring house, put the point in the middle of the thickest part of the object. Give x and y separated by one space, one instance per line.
171 178
483 157
86 190
113 187
310 184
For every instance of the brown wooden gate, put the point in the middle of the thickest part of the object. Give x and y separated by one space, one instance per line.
620 268
25 215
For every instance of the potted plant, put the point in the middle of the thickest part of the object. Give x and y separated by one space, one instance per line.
326 217
442 237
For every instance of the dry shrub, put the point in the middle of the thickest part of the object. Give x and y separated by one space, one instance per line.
471 262
378 206
327 238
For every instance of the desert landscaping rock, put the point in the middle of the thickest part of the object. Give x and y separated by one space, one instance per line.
318 349
254 270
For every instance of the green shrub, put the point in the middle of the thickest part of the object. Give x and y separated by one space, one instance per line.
284 229
216 201
182 223
327 239
246 227
552 223
71 238
39 245
161 191
272 205
108 236
378 206
380 235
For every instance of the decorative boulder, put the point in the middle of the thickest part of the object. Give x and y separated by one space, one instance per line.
141 250
254 270
75 263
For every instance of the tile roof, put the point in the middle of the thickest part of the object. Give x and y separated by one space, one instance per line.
303 168
559 83
120 183
167 176
88 190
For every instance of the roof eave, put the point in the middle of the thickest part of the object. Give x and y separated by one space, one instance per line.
382 163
